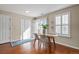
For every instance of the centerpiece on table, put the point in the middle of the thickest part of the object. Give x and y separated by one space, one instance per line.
45 27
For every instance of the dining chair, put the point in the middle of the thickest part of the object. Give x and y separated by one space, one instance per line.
37 39
47 43
44 42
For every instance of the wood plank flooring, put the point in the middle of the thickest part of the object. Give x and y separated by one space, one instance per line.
27 48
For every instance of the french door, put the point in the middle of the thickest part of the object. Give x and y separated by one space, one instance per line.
25 29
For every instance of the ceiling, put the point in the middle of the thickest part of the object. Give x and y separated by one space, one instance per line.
35 10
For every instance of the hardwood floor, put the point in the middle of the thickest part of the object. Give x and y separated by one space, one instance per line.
28 48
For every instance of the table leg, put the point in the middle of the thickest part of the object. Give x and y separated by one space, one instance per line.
54 44
49 45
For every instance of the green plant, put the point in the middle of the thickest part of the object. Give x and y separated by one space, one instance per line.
44 26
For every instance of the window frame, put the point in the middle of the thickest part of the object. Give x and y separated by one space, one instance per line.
61 14
40 22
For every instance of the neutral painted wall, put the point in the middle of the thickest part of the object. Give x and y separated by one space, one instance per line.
15 24
72 41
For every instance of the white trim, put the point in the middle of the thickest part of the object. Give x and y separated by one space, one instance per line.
68 13
68 45
5 41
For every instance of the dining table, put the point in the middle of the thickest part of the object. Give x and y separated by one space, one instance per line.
50 37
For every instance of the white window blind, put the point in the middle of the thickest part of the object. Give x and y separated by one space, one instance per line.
62 24
4 28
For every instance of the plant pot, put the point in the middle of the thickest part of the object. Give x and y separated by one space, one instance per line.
44 31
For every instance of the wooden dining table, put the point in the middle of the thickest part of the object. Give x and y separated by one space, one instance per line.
50 38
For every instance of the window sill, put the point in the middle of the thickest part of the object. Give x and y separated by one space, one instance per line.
64 36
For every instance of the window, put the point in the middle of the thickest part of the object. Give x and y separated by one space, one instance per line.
41 21
62 24
38 24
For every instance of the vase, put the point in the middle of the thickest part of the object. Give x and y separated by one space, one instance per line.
44 31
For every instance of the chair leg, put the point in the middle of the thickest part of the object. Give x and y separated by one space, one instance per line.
39 44
34 43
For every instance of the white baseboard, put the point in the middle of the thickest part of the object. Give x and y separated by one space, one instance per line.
68 45
2 42
6 41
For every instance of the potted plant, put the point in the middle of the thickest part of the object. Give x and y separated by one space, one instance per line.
44 26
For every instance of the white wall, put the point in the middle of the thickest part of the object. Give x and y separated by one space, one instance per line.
73 41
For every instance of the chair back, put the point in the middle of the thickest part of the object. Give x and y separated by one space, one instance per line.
44 38
36 36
